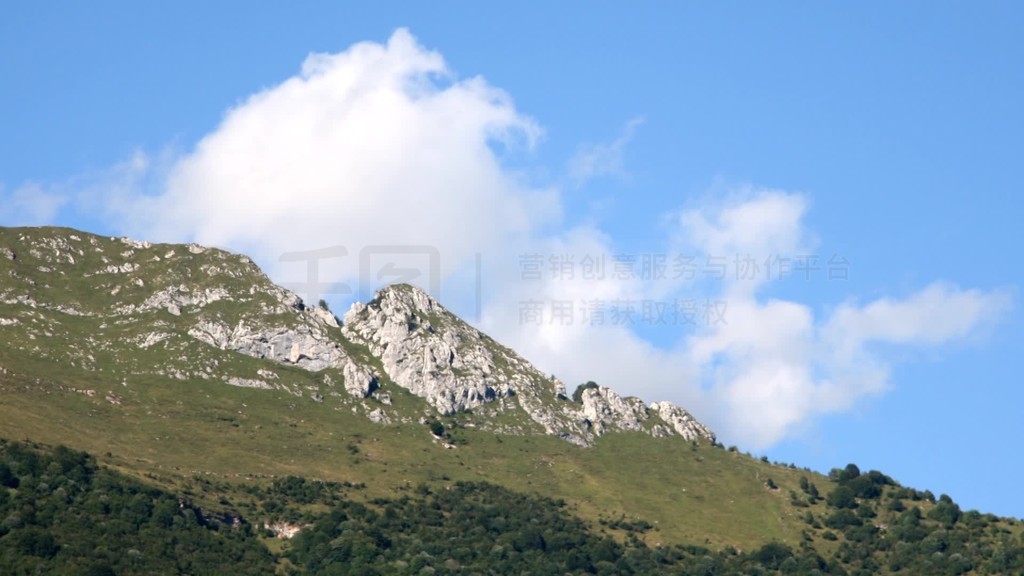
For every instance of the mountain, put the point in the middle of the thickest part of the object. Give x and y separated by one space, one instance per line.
197 302
187 369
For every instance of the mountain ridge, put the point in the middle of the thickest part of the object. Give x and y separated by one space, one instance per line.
186 369
225 301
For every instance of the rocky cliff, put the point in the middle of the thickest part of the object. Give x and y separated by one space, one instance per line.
96 302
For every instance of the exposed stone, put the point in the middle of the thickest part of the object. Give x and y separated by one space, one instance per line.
378 416
284 530
403 337
435 355
423 351
248 383
682 422
604 409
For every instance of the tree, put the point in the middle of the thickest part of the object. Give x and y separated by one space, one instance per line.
577 396
436 428
7 477
849 473
946 511
841 497
772 554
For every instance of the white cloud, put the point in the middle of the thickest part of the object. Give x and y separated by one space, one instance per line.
773 366
753 225
776 367
935 315
595 160
30 205
377 145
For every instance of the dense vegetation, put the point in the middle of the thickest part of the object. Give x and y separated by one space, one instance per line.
479 528
62 513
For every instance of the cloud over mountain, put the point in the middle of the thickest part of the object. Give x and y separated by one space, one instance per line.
382 146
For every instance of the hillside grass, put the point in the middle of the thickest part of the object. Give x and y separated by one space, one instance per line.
165 414
173 431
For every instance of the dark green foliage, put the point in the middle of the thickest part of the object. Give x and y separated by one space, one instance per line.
7 477
436 428
810 489
637 525
577 396
297 490
868 486
895 505
945 511
841 519
866 511
481 528
841 497
68 516
842 475
772 554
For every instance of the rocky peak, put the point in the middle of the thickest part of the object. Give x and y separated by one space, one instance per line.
200 306
429 351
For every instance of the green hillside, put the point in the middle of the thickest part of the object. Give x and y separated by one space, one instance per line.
87 364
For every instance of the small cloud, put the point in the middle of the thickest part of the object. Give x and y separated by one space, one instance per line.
30 205
596 160
937 314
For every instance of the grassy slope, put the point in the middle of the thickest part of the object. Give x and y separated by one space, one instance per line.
174 430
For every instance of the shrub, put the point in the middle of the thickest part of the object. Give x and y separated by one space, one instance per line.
436 428
577 396
841 497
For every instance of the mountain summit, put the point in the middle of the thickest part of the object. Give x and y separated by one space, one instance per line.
131 310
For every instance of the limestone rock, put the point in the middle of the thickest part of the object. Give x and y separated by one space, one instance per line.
174 297
682 422
432 353
424 351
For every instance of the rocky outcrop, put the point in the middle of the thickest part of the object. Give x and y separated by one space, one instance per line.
303 346
173 297
604 410
432 353
427 351
682 422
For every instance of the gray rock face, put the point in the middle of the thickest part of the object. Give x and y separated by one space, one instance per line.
171 297
682 422
605 409
304 346
424 350
454 367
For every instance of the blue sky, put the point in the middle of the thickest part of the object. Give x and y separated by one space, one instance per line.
886 134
